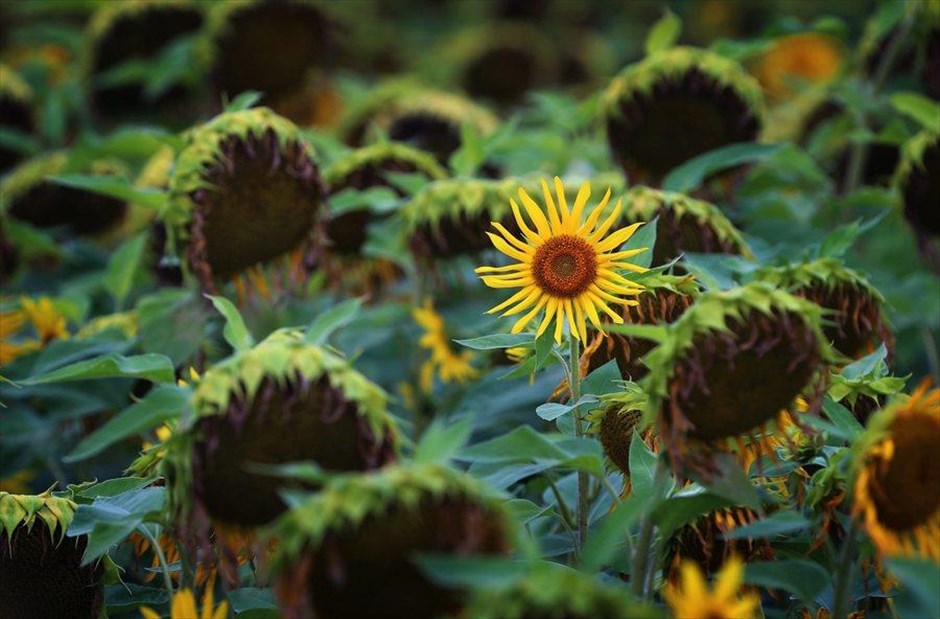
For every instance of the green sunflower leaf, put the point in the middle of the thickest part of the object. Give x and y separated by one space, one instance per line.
804 579
499 340
664 33
693 172
153 367
236 332
115 187
324 325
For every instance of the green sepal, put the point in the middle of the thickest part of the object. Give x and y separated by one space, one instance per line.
23 509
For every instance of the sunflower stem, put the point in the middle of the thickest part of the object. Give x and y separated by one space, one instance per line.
574 384
842 588
644 547
167 579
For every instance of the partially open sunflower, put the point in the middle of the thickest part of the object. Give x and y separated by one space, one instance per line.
557 592
27 195
733 363
16 112
245 190
684 225
42 572
858 321
122 31
675 105
266 46
426 119
896 497
349 551
283 400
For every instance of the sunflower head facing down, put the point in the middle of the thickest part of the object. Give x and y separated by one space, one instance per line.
567 265
896 496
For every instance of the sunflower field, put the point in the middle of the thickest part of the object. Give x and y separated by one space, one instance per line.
470 309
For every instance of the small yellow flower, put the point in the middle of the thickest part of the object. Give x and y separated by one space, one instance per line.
46 319
449 365
691 599
184 606
11 323
567 266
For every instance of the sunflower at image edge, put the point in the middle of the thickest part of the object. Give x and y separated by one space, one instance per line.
896 498
567 267
692 598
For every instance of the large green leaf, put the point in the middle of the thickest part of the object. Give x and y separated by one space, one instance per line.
606 541
471 572
777 524
156 368
920 591
235 332
804 579
110 520
122 267
161 404
332 319
693 172
116 187
440 441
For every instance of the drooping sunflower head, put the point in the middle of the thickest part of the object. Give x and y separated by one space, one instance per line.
675 105
795 61
140 29
616 420
663 299
703 544
918 178
266 46
429 120
856 307
557 592
499 61
691 597
42 569
731 364
365 168
16 112
567 264
896 497
245 190
684 225
26 194
283 400
355 542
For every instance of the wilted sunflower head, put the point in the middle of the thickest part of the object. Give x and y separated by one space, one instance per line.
42 569
429 120
266 46
499 61
620 416
119 32
677 104
896 497
366 168
558 591
283 400
26 194
244 191
16 112
731 364
856 307
703 544
684 225
354 543
918 178
795 61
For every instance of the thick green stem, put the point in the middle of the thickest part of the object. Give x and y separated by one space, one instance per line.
644 546
842 588
574 384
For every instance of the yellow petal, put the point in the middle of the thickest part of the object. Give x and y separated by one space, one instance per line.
522 322
729 579
513 299
562 202
519 266
550 207
560 318
507 249
147 613
511 238
222 611
184 604
526 303
533 236
588 225
535 214
580 202
601 230
551 308
618 238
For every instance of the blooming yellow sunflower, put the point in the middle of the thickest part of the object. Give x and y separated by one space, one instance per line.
567 266
184 606
691 598
896 495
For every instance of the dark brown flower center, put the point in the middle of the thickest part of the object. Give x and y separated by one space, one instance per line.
565 266
905 491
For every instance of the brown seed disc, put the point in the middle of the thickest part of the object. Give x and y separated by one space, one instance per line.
369 570
676 121
263 201
675 236
857 318
449 237
42 578
565 266
703 542
616 434
729 384
295 422
905 491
